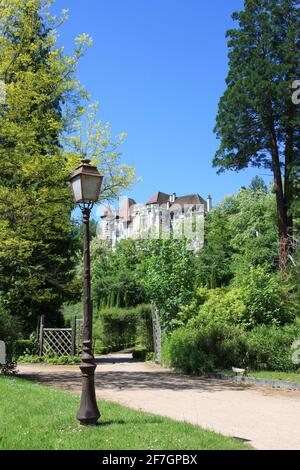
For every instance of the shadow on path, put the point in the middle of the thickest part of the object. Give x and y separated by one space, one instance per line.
132 380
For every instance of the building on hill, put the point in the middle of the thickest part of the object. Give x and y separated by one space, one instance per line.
163 216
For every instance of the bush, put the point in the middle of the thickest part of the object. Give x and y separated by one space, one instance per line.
116 328
222 307
213 347
62 360
270 347
25 347
120 328
140 354
196 351
265 297
144 326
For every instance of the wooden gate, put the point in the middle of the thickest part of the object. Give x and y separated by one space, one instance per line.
60 341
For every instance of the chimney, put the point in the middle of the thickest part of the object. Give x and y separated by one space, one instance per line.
173 198
209 203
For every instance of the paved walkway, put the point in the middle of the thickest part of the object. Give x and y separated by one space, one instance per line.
266 418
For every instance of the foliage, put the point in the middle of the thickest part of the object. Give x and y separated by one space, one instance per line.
115 274
59 360
270 347
9 329
221 346
25 347
240 232
168 277
93 139
222 307
140 353
144 327
214 260
125 429
119 328
257 123
42 99
265 296
41 124
255 297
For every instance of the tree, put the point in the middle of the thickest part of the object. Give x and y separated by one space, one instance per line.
214 261
257 122
93 139
116 274
43 105
168 277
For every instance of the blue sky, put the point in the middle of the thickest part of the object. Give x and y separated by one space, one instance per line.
158 69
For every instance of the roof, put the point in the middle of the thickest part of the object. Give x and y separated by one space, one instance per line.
124 211
190 199
159 198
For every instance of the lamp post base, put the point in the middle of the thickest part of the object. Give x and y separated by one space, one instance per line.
88 413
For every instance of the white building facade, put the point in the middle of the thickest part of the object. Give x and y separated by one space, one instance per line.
162 217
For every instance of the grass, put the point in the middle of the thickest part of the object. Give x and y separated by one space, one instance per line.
284 376
270 375
37 417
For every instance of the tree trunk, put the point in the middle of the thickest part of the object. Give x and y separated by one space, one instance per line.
288 177
282 219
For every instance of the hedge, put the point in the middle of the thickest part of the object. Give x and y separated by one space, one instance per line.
218 347
120 328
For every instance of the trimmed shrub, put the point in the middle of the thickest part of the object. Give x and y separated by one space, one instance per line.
213 347
116 328
144 326
120 328
270 347
196 351
25 347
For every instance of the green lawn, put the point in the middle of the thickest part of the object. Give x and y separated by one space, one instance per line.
284 376
38 417
270 375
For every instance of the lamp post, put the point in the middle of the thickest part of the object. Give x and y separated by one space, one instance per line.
86 185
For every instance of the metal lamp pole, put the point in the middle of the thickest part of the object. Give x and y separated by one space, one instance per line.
86 184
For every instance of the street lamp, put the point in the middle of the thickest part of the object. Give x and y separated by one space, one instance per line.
86 185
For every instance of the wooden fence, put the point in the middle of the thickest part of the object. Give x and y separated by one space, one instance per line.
60 341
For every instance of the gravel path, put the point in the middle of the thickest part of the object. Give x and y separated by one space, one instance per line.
266 418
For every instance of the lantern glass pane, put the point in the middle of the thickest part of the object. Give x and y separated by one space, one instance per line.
77 190
91 188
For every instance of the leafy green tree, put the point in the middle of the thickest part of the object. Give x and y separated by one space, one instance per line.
169 277
253 230
116 274
35 204
39 121
214 260
257 122
239 233
92 138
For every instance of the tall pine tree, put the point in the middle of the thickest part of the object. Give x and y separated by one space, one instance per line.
257 122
